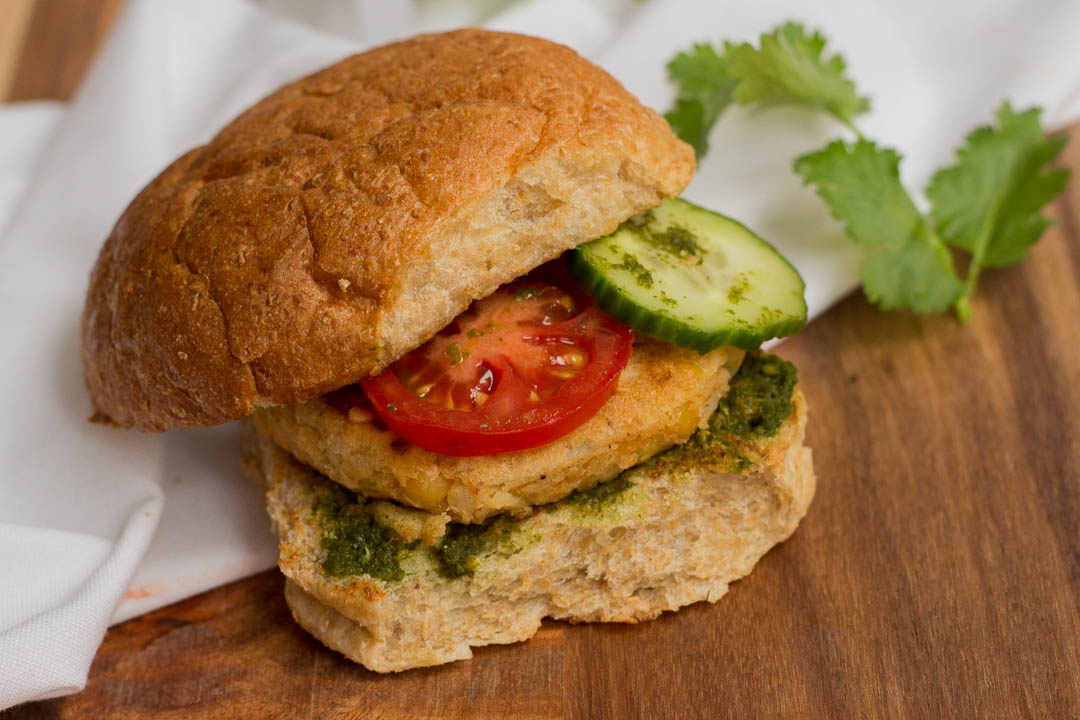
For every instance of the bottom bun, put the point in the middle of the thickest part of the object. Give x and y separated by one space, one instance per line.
672 531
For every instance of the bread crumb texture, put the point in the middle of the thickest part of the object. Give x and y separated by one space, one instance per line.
669 532
347 217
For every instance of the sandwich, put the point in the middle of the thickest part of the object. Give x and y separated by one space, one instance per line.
493 368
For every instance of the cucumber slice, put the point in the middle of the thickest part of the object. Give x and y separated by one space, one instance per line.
693 277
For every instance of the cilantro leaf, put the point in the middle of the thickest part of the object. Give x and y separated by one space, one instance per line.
989 203
704 92
688 120
908 265
790 69
699 71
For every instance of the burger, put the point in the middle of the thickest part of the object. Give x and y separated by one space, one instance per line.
493 368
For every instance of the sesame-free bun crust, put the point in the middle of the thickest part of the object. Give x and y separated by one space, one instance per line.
347 217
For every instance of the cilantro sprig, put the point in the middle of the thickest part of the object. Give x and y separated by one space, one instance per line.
988 204
790 68
907 265
705 91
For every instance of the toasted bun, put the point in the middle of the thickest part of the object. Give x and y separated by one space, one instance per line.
349 216
685 526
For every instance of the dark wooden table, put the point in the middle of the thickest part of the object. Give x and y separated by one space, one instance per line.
937 574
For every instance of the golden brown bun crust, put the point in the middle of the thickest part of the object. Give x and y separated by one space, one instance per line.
347 217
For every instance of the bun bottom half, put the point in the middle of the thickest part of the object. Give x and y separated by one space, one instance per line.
673 531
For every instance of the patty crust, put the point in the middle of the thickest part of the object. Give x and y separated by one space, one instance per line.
663 396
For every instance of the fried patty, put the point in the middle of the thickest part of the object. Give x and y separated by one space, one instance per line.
664 394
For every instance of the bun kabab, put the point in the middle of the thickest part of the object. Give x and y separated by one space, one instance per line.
493 368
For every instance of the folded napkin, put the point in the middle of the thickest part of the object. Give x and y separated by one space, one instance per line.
98 525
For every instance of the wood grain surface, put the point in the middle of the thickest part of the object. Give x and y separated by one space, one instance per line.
936 575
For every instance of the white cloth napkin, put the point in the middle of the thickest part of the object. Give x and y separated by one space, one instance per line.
97 524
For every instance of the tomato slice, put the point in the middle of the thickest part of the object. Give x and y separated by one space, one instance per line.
517 370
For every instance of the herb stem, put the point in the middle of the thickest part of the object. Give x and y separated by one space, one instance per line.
851 126
963 303
963 306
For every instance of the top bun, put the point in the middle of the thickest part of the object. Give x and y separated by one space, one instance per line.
349 216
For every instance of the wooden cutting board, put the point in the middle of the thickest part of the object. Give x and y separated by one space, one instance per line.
937 574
